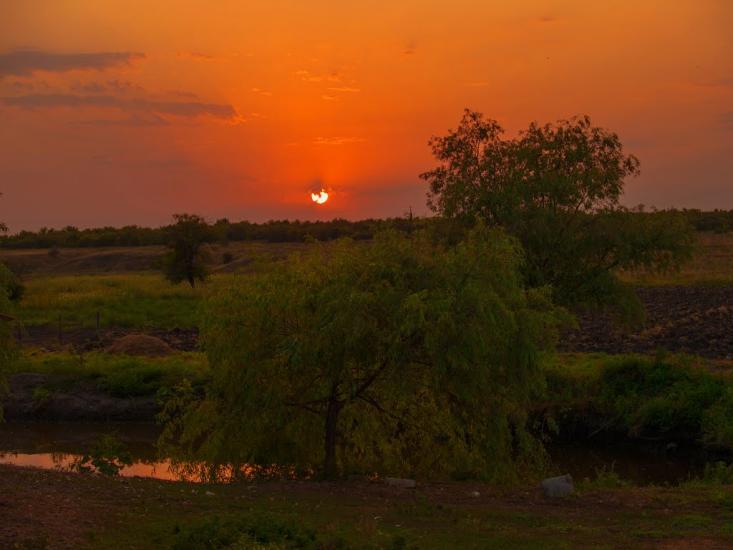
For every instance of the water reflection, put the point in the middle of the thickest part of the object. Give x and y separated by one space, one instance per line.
66 462
60 445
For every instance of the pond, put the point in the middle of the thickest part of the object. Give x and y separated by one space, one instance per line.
60 445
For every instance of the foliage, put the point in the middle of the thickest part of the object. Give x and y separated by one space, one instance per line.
606 478
186 260
400 356
556 188
662 398
108 456
120 376
11 284
134 300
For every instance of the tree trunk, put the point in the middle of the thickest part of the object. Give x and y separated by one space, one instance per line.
329 461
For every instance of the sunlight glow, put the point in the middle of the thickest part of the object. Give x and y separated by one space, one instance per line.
319 198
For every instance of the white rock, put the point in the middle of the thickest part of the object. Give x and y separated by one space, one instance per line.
560 486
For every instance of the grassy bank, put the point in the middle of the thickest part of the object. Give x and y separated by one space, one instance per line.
116 375
663 399
139 300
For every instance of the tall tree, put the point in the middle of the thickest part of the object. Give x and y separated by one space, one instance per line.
399 356
557 189
186 260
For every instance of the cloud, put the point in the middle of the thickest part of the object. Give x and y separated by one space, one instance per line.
308 76
337 140
261 92
133 120
197 56
187 109
111 86
345 90
26 62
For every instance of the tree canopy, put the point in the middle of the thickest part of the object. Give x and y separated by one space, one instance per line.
399 356
186 259
557 188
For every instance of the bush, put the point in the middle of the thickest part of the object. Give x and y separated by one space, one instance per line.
11 284
663 398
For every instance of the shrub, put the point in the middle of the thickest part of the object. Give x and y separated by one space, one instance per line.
11 284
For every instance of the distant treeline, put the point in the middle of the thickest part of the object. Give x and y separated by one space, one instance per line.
276 231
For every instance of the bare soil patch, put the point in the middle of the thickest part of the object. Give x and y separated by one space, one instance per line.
142 345
696 320
50 338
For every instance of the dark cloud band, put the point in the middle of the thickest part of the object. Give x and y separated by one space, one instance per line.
26 62
188 109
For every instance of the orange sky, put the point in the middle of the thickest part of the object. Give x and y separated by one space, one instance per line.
116 112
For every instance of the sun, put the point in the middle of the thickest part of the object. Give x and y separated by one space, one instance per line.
319 198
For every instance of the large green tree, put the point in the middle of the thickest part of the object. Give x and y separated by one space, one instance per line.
186 260
557 189
397 356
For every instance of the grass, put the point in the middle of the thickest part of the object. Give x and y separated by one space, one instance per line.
355 515
117 375
712 264
133 300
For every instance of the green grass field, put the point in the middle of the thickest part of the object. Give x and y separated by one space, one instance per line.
712 264
146 300
130 300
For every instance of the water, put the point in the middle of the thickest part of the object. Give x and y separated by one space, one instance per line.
58 445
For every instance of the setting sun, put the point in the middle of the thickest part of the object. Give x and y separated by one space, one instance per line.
320 197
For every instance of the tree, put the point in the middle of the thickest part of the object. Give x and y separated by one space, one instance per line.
556 188
187 261
398 356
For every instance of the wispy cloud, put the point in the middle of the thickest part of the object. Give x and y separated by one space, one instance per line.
308 76
149 119
111 86
26 62
337 140
260 91
187 109
197 56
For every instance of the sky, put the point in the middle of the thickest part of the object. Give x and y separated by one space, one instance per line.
125 112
